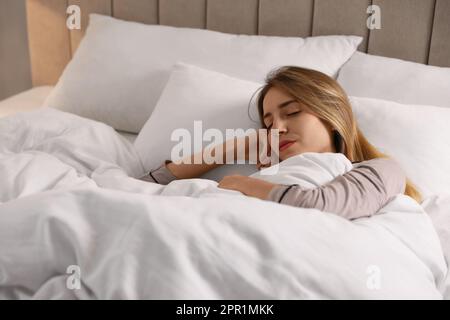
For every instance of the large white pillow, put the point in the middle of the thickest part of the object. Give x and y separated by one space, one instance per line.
120 68
416 136
390 79
194 94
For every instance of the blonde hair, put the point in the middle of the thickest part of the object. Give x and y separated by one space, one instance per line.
326 99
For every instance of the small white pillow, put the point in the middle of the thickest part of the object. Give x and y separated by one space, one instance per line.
396 80
416 136
120 68
194 94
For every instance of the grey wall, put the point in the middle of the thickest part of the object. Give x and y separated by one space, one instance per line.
14 58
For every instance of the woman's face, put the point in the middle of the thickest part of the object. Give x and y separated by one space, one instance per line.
299 130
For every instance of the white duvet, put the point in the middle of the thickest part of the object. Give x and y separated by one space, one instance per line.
70 199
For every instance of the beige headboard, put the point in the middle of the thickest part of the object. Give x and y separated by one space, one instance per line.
414 30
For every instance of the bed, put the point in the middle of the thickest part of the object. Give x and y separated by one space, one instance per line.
33 99
76 222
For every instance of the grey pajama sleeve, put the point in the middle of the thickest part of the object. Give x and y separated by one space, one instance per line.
361 192
161 175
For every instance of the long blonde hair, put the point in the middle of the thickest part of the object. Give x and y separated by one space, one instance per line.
326 99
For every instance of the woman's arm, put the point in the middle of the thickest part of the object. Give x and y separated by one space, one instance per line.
170 171
361 192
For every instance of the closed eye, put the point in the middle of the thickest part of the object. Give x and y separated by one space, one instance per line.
289 114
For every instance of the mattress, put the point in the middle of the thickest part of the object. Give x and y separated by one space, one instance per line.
34 99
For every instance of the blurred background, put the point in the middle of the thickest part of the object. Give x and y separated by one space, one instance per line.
15 73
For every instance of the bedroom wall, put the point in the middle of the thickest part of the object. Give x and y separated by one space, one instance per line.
14 58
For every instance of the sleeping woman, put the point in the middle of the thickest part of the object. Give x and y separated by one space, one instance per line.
312 114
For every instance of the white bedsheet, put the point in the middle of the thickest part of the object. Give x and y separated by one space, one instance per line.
70 198
438 208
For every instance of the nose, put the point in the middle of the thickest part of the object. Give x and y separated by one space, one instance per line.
280 125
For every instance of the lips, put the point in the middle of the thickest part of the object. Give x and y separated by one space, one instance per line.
285 144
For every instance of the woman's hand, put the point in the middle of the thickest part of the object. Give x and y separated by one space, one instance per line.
247 185
254 149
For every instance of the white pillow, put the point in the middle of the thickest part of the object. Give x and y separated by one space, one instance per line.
390 79
120 68
416 136
192 94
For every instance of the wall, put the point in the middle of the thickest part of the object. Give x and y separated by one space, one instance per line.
14 58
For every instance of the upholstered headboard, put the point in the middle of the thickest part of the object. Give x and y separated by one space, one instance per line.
414 30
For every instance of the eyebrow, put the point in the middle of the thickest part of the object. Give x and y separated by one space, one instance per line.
280 106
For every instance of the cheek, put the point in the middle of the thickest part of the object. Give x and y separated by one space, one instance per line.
303 126
311 129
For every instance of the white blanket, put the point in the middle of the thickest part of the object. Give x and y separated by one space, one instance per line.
70 201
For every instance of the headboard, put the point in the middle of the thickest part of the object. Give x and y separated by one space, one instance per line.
414 30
